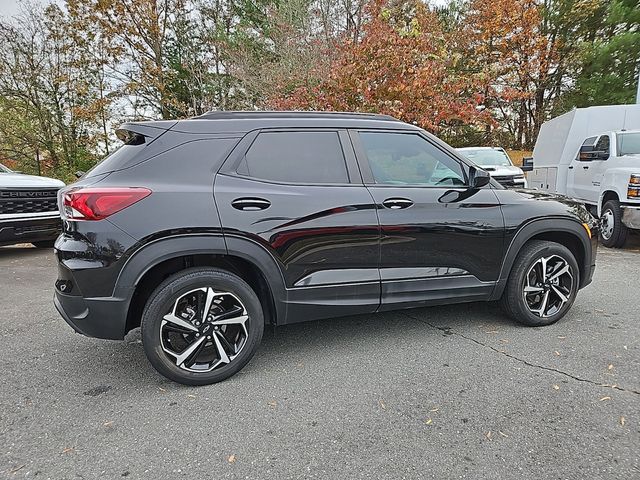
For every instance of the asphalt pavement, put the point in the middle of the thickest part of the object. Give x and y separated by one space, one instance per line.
445 392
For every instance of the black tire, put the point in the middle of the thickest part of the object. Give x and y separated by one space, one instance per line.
44 243
162 301
513 301
616 236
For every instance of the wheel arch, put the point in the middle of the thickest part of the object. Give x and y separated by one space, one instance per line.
607 194
564 231
150 265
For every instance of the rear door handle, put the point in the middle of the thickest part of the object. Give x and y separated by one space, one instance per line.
586 167
248 204
397 203
570 167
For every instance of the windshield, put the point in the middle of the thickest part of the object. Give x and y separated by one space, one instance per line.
4 169
487 157
628 144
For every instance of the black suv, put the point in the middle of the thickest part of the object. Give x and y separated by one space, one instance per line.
201 231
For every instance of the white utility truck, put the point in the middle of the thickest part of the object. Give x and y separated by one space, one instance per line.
593 155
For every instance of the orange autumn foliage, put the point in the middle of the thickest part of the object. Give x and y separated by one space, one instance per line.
401 66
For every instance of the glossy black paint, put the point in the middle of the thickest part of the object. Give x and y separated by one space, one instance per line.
323 250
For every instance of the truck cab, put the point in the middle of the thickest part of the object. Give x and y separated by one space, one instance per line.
605 174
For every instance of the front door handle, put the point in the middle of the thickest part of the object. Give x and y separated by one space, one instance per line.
249 204
570 167
397 203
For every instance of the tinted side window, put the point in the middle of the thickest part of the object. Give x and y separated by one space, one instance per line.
408 159
296 157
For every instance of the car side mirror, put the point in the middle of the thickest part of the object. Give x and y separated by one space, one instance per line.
587 153
478 177
527 164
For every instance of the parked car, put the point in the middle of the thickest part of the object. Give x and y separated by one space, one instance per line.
593 155
203 230
28 209
496 161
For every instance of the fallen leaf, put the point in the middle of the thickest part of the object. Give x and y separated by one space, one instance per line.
162 389
610 367
605 398
556 387
384 407
488 435
503 434
622 421
625 347
17 469
273 403
491 331
561 337
67 450
428 421
434 409
557 353
231 459
191 396
504 340
107 424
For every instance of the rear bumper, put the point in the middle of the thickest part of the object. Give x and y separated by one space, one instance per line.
29 228
93 317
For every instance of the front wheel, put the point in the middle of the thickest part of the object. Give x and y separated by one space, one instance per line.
201 326
542 285
613 231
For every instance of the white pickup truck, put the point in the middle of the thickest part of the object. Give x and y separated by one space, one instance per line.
593 155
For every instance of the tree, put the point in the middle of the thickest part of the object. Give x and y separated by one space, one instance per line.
401 66
611 62
51 101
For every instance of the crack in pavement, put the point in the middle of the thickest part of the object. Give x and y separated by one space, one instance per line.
450 331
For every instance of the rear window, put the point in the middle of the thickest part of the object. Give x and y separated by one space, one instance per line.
296 157
119 157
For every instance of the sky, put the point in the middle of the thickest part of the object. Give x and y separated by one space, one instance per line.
9 7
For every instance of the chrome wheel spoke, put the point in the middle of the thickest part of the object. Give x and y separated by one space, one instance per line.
241 320
191 350
530 289
171 318
561 272
561 295
224 358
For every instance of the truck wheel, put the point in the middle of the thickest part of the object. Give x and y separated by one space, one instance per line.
542 285
201 326
612 230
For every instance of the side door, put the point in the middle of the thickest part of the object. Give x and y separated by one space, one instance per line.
598 168
580 172
299 194
441 241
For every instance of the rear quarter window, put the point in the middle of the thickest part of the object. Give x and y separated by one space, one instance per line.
296 157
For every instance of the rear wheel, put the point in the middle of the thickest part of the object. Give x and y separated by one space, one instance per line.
542 285
201 326
612 230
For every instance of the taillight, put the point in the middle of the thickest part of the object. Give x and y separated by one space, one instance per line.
98 203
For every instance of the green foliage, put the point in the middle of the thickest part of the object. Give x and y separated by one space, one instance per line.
610 65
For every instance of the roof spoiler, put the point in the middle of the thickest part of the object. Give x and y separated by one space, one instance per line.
137 133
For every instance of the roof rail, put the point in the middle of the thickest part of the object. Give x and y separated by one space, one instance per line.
222 115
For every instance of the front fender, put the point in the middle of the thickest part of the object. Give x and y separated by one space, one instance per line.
545 226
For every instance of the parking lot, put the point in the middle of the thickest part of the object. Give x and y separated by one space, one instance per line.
446 392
